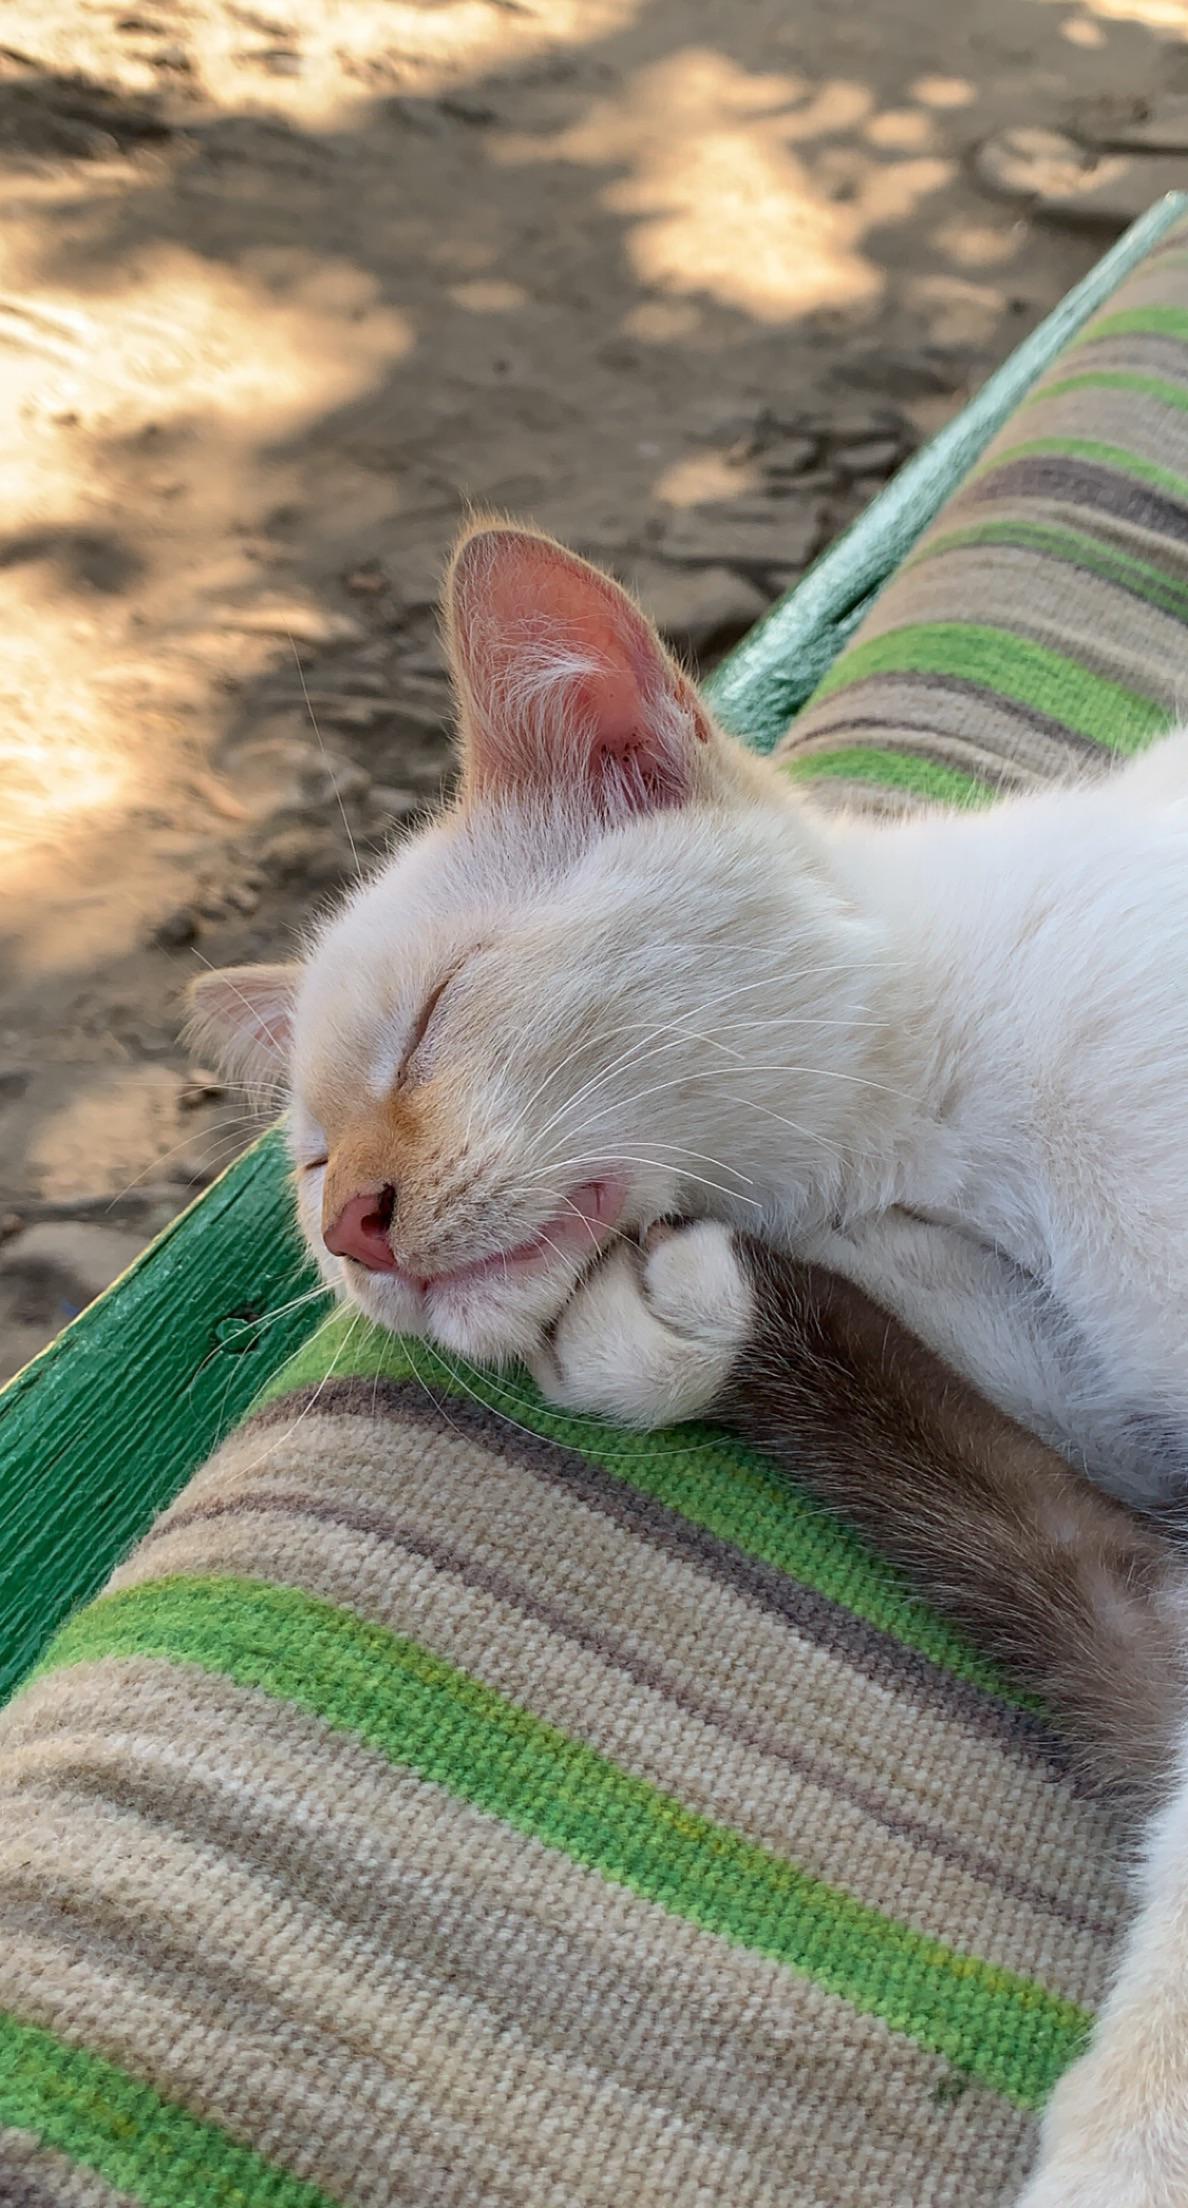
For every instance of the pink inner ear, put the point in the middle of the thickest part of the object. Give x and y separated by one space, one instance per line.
567 685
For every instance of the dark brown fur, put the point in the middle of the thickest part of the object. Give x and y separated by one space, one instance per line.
1082 1599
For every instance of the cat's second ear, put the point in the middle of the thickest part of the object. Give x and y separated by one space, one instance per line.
565 688
242 1018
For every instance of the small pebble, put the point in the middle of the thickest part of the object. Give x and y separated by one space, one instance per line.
177 929
367 581
397 803
200 1089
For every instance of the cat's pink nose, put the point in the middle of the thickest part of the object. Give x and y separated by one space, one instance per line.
361 1230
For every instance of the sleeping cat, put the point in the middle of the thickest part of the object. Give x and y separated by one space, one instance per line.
927 1080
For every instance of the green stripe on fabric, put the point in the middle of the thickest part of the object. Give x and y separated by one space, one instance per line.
147 2147
894 770
1113 379
408 1705
1135 322
704 1475
1013 667
1118 457
1073 545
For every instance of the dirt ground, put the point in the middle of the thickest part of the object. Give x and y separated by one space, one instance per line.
285 287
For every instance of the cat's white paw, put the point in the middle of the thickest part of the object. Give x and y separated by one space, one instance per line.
651 1336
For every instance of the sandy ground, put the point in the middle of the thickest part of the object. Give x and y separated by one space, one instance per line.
282 289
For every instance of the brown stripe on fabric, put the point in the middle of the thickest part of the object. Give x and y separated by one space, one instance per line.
941 748
36 2176
706 1709
331 2114
1135 353
1033 559
1021 601
20 2190
875 1655
18 2187
1134 421
1083 483
548 1986
849 795
1046 750
694 1625
337 2049
709 2034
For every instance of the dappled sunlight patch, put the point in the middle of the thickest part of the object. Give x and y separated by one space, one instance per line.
718 202
319 65
100 1132
1165 17
978 244
662 321
489 295
943 92
958 311
175 378
60 759
271 345
700 477
901 130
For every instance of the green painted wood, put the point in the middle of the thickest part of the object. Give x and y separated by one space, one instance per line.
100 1432
760 688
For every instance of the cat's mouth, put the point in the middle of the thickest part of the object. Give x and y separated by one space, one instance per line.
582 1226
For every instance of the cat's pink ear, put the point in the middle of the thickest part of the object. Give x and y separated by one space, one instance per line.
565 687
241 1017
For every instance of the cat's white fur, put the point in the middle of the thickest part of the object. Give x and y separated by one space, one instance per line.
949 1057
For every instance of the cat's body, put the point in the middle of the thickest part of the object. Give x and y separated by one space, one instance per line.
1039 985
630 976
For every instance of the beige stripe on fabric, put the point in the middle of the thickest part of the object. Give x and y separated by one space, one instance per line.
1133 421
942 721
1072 616
844 798
587 1571
403 1945
609 1575
1150 354
766 1781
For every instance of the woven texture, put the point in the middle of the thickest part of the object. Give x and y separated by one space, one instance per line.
453 1804
1037 628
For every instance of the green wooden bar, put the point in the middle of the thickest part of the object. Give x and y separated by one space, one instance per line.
101 1430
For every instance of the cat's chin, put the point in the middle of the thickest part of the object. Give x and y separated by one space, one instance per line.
488 1321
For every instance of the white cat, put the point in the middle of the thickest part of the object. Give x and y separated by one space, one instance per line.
630 976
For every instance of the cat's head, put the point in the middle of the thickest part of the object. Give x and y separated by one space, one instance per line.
612 981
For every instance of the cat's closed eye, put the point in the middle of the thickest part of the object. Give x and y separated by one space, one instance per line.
425 1016
421 1027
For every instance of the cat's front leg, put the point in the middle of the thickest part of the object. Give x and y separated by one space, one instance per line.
1116 2134
1116 2131
1090 1604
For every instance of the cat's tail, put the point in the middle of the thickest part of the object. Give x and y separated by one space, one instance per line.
1080 1597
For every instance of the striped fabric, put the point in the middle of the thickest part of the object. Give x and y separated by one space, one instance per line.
455 1805
452 1803
1037 629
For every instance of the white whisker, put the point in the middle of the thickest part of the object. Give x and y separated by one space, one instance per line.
322 748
